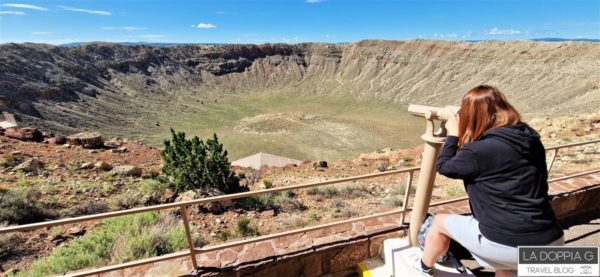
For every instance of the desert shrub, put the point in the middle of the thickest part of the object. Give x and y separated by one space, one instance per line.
268 184
312 191
56 232
126 200
250 175
382 165
8 161
244 228
194 164
153 174
296 222
117 240
225 235
348 211
353 191
312 216
396 196
329 191
276 201
454 190
86 208
393 201
9 243
24 182
22 205
153 186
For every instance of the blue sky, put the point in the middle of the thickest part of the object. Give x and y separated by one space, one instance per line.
292 21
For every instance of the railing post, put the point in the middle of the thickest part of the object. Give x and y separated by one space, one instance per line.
406 196
188 233
552 158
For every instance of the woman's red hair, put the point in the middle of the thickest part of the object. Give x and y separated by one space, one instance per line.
483 108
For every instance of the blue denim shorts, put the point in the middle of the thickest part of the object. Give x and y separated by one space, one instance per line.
489 254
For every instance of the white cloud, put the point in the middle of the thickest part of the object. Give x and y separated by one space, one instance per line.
452 36
312 1
506 32
126 28
71 9
41 33
12 12
152 36
205 26
329 36
25 6
131 28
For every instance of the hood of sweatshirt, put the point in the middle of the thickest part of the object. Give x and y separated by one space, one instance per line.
520 137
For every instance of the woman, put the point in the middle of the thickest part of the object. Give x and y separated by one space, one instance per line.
503 165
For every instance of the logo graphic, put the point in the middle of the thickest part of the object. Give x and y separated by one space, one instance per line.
545 261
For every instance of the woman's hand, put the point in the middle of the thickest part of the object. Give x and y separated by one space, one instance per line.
452 126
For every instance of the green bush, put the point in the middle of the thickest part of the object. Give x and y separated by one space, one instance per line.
153 186
244 228
22 205
268 184
329 191
125 200
8 161
276 201
194 164
118 240
225 235
312 191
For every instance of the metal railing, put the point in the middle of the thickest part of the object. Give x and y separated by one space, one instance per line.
192 250
555 149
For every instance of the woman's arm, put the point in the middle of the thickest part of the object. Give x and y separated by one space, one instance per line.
461 165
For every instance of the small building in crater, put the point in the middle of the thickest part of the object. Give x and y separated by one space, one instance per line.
7 120
259 160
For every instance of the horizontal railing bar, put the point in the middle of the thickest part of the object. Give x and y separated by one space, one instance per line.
53 223
298 231
573 144
165 257
574 175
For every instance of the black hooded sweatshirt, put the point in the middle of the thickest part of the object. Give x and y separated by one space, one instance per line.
505 176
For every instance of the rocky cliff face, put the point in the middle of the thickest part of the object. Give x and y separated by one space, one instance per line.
69 88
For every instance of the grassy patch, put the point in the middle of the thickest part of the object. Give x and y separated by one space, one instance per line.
118 240
277 201
345 126
8 161
396 196
225 235
22 205
153 186
454 190
244 228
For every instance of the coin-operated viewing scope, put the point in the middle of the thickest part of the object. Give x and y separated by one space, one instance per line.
434 113
433 143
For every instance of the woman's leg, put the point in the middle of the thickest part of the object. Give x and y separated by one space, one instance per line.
437 241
